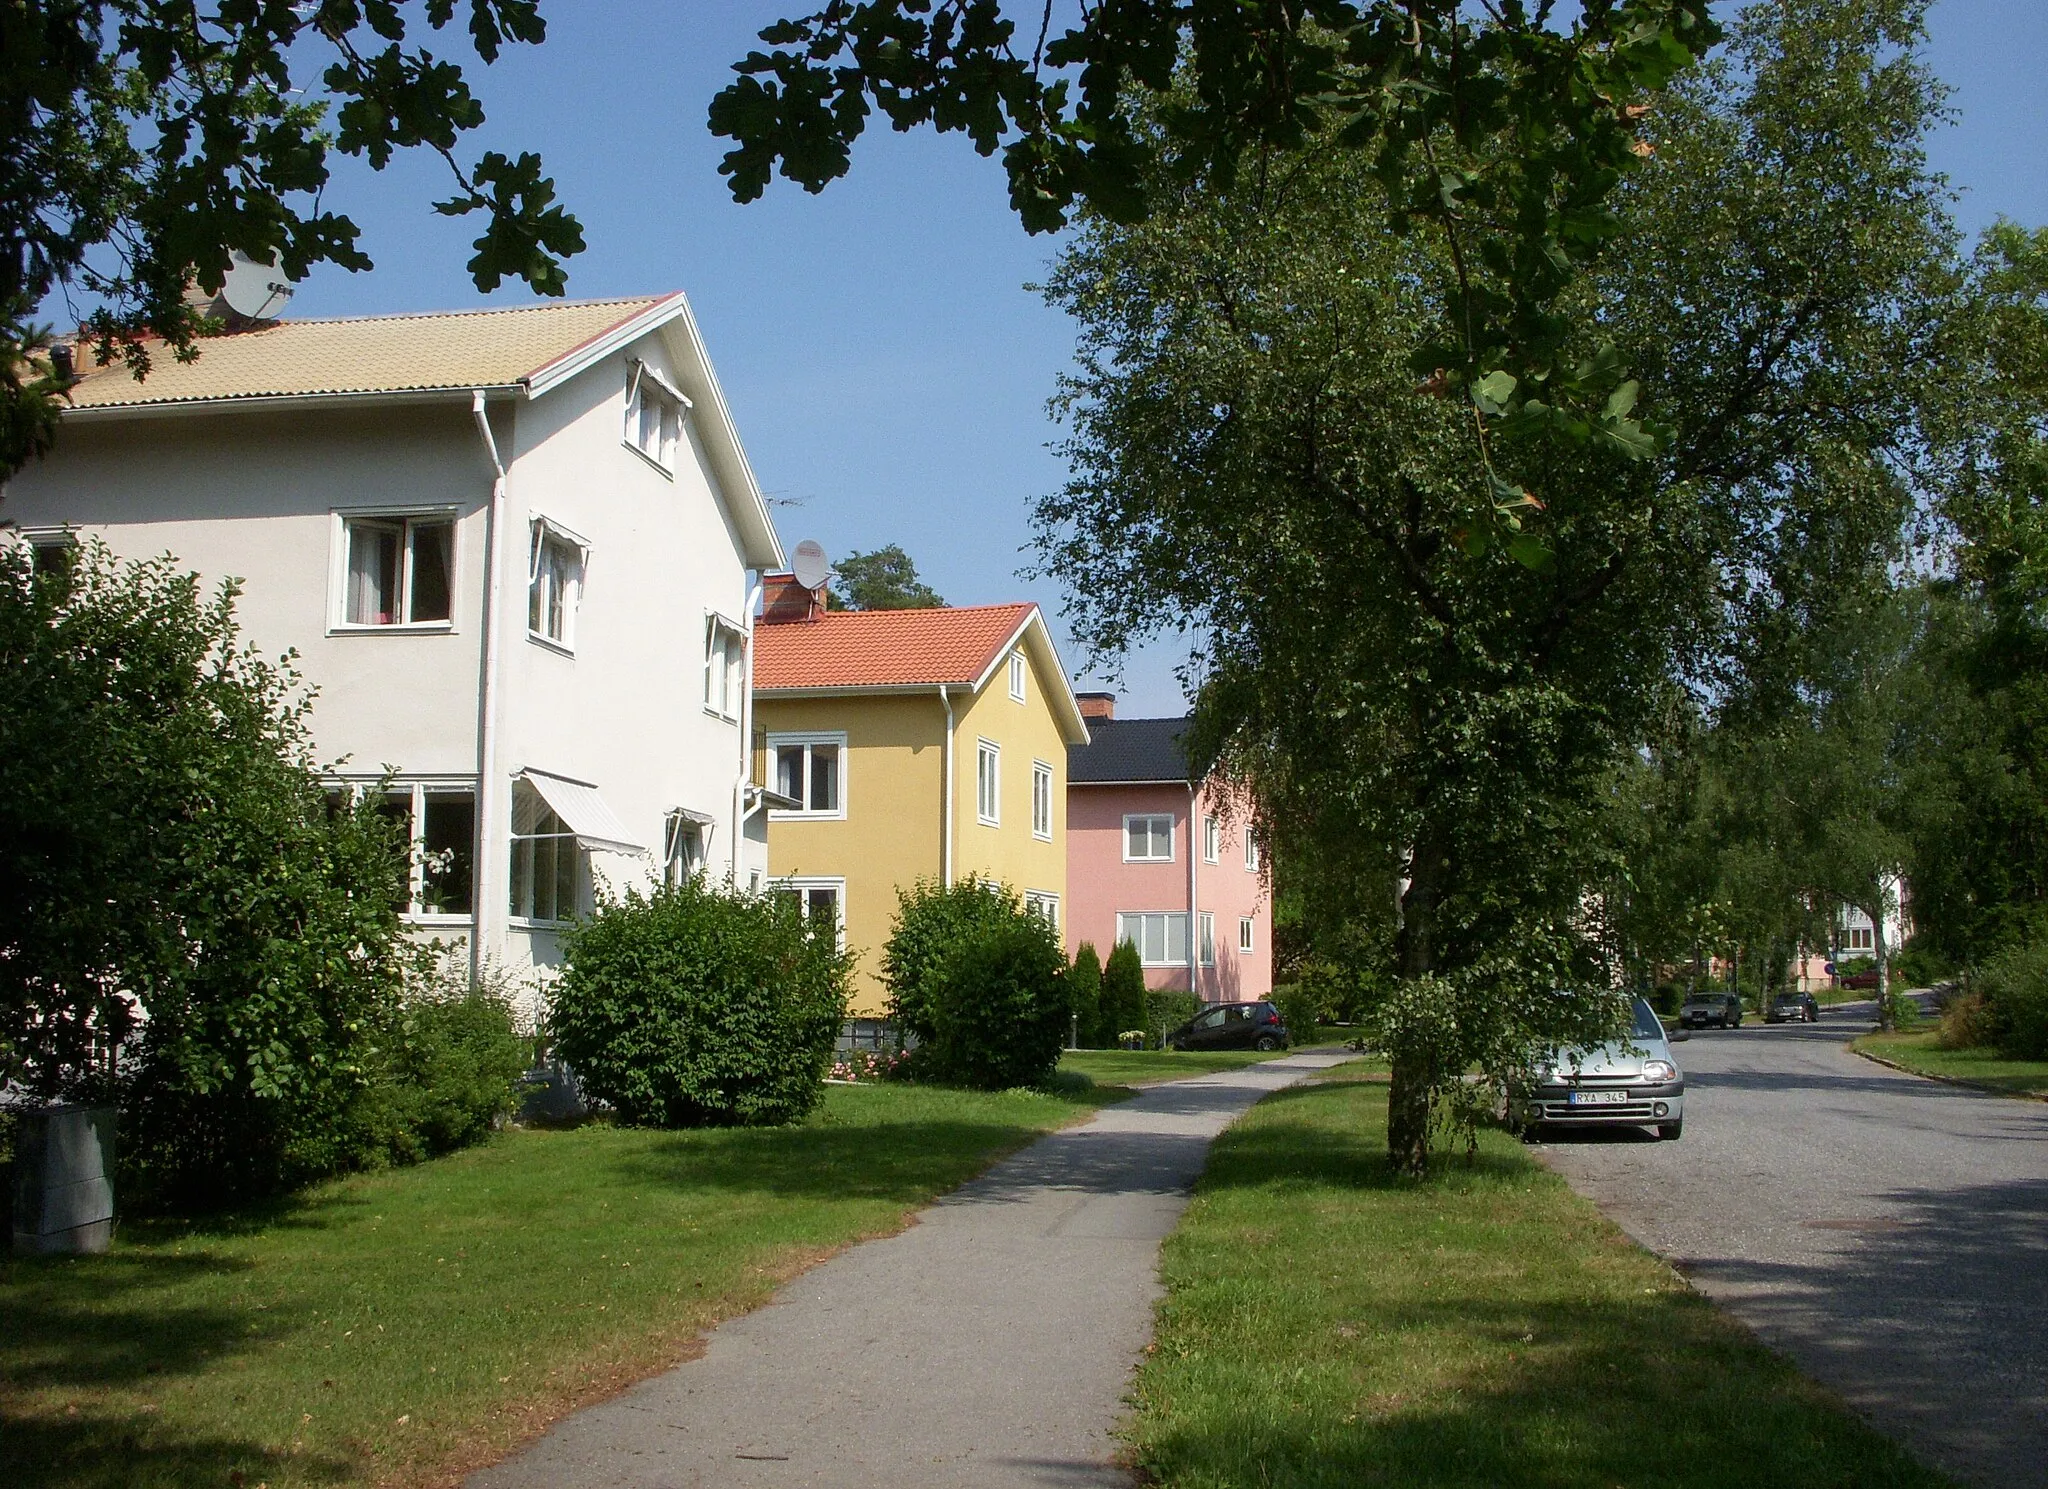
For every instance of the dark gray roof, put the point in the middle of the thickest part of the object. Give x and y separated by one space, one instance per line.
1125 750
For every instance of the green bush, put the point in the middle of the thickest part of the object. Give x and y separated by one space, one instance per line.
1298 1012
1123 992
999 1012
177 882
1166 1009
932 922
1084 994
698 1005
456 1056
2014 987
1339 992
1920 966
1667 997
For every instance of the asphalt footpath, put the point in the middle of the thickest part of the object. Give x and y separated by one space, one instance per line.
990 1344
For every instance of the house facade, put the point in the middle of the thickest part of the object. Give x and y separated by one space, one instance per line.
515 551
1170 864
906 745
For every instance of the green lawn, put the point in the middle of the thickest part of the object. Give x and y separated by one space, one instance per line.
399 1327
1977 1067
1145 1067
1328 1325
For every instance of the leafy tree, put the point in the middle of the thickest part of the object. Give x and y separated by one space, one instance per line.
194 929
700 1006
1429 713
883 580
146 140
1084 989
1501 129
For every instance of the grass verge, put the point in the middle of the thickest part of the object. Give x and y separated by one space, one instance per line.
1983 1068
1328 1325
1148 1067
400 1328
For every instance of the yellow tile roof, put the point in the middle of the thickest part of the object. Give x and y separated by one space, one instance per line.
371 354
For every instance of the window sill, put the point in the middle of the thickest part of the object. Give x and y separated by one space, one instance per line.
780 816
519 923
1148 860
641 454
548 643
410 628
436 920
723 718
1043 837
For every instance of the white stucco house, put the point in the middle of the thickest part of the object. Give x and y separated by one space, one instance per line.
516 553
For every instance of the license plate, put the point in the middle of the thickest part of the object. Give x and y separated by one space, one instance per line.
1595 1098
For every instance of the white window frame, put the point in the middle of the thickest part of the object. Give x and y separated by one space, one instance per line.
580 878
1130 920
419 788
543 531
725 646
1044 904
44 540
1018 669
1208 938
643 385
338 623
988 783
807 739
1212 839
1041 801
1246 934
1166 817
1251 852
802 884
678 830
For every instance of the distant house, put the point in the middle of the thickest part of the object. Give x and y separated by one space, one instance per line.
1167 863
512 550
906 745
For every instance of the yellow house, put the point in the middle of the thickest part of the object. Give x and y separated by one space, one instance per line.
909 744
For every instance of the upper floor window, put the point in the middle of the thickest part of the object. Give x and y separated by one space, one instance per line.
1041 800
725 676
1017 670
988 783
1212 839
554 584
810 769
654 416
399 571
1148 838
1251 852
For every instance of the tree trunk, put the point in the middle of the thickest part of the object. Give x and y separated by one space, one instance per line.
1408 1096
1885 1020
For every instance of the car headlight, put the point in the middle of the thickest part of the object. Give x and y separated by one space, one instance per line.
1658 1072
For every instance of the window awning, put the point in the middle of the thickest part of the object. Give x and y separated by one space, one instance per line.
597 826
702 819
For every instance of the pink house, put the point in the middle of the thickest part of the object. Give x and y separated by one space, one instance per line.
1163 862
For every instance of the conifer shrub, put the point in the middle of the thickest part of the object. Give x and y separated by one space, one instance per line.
1123 992
699 1005
1084 994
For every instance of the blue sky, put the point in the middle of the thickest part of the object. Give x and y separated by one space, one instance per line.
887 367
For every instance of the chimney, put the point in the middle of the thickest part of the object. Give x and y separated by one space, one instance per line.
1097 705
783 599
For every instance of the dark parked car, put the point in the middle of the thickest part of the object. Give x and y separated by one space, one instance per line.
1724 1010
1231 1026
1790 1007
1865 980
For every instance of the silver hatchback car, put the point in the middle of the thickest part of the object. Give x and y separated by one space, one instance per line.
1632 1082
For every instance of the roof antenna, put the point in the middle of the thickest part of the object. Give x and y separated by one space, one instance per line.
809 568
254 292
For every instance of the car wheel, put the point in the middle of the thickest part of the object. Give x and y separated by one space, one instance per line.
1266 1042
1671 1132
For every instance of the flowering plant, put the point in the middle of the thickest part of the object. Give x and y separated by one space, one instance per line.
855 1066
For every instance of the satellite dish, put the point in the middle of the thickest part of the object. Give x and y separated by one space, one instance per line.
809 565
254 291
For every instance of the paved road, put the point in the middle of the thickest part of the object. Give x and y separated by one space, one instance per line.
1887 1232
988 1345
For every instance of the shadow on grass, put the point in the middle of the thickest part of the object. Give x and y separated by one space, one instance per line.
89 1451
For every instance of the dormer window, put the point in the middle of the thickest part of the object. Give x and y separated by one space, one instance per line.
654 416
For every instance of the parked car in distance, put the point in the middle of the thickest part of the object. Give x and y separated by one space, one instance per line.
1789 1007
1633 1081
1865 980
1724 1010
1232 1026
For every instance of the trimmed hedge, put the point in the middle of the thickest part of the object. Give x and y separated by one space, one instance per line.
700 1006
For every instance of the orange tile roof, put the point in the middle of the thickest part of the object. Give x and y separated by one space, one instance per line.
883 648
365 354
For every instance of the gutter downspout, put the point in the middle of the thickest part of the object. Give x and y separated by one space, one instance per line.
946 808
487 693
1194 916
746 775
